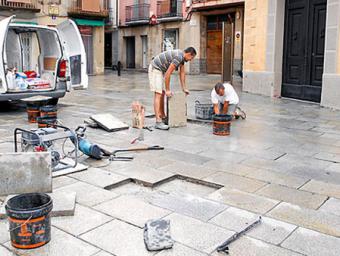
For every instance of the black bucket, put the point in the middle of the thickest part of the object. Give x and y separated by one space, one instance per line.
49 111
44 122
29 220
222 124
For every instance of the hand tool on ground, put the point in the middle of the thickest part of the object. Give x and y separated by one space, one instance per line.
225 246
115 152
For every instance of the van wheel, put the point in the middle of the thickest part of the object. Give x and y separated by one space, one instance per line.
53 101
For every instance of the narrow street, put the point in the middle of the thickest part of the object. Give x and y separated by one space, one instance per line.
281 163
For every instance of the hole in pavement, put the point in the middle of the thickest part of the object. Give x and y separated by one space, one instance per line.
177 184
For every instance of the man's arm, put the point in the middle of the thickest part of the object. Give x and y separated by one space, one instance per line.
225 107
216 109
167 76
182 79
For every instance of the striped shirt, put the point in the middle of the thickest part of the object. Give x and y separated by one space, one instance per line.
163 61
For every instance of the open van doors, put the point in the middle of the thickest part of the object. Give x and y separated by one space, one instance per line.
74 51
3 61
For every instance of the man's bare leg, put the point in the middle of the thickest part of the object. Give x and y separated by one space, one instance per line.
161 106
157 106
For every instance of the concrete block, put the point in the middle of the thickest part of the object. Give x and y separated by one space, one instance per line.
196 234
312 243
189 205
243 200
181 250
307 218
84 219
270 230
100 178
25 173
247 246
131 210
88 194
118 238
60 244
177 110
277 178
323 188
293 196
331 206
234 181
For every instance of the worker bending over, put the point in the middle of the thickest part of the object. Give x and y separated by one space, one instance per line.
225 99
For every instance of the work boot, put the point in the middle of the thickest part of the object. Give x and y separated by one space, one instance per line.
161 126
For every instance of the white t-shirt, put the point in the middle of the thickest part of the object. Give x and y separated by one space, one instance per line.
229 95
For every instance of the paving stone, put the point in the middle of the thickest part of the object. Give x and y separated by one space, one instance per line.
144 174
323 188
88 194
307 218
184 186
132 210
5 252
188 205
103 253
157 162
328 157
247 246
181 250
270 230
231 157
83 220
197 234
332 205
291 195
186 157
277 178
118 238
334 167
177 110
240 199
100 178
234 181
4 233
62 181
60 244
188 170
312 243
28 173
225 166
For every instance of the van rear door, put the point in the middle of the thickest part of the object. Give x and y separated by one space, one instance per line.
74 51
3 61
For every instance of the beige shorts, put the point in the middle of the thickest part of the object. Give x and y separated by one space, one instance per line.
156 80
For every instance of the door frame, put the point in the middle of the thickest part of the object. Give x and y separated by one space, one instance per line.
145 43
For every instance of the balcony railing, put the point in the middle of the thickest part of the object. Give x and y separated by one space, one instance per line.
94 8
169 9
138 13
31 5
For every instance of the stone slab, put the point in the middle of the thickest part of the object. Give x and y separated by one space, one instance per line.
196 234
103 253
64 204
240 199
25 173
62 181
188 170
109 123
181 250
224 166
78 168
312 243
332 205
131 210
84 219
100 178
307 218
189 205
277 178
323 188
293 196
118 238
88 194
4 233
5 252
177 110
247 246
270 230
185 157
234 181
60 244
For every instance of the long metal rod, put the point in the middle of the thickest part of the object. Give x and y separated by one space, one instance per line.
224 247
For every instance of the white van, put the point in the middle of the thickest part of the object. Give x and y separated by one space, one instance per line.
40 60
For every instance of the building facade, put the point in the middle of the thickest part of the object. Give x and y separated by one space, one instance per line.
89 15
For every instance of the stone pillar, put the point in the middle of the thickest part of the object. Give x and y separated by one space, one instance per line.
331 77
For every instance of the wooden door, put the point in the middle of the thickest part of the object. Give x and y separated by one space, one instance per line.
304 49
214 52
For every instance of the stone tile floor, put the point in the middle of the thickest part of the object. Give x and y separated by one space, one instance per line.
283 162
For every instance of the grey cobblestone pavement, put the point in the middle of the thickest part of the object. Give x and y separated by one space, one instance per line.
282 162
